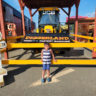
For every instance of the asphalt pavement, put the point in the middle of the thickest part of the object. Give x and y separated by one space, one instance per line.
25 80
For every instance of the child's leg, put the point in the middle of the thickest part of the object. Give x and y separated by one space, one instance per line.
48 73
43 73
43 70
48 70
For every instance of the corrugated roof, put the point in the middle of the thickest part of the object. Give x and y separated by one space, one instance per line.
49 3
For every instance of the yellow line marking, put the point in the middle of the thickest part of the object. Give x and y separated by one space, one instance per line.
54 79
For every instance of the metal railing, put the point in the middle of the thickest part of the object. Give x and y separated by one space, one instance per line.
53 45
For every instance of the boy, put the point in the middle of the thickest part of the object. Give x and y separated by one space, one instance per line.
46 54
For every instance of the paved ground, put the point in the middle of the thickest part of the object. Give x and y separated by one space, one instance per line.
66 80
76 53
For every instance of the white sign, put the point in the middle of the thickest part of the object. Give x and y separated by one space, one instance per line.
3 44
48 12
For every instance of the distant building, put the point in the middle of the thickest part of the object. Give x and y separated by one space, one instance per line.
11 15
86 25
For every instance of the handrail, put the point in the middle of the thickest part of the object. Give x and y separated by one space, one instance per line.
81 36
2 40
3 50
91 48
10 38
14 37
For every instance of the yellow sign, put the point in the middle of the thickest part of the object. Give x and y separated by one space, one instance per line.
46 38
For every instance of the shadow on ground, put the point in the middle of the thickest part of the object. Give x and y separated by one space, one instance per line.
73 53
10 78
22 68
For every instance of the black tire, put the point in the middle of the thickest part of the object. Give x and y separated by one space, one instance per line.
68 49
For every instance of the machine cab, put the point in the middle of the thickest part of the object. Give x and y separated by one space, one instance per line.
49 20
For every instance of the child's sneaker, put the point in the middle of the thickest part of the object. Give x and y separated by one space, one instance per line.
42 80
49 79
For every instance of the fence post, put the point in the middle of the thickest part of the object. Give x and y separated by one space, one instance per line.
94 41
30 11
22 5
76 23
3 27
69 19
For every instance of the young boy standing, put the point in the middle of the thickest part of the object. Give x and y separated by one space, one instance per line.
46 55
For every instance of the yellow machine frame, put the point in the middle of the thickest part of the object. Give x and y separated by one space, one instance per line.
53 45
48 8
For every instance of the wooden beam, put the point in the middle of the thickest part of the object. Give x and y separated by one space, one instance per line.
65 11
3 27
76 22
35 12
22 5
69 11
30 12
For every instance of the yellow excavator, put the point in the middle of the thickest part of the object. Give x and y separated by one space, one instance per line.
48 21
49 29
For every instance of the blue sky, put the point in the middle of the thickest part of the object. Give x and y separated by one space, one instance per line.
86 8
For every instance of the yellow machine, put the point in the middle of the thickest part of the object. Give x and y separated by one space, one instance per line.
49 20
49 29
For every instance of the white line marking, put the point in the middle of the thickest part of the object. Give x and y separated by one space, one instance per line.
54 78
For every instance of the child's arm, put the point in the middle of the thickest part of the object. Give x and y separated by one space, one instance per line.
52 55
42 55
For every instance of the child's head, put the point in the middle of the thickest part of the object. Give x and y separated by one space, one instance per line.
46 46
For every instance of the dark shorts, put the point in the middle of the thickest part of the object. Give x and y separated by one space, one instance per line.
46 66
